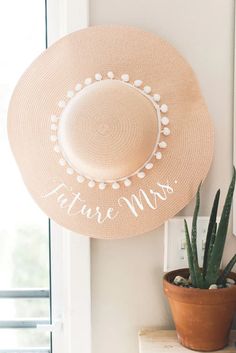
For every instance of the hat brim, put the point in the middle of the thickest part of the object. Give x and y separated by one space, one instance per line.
148 202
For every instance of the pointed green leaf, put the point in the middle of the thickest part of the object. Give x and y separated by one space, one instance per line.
227 270
210 229
217 252
207 283
194 227
212 242
190 255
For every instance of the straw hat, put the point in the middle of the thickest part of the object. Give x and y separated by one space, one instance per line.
110 131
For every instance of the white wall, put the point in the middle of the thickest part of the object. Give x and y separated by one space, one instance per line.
127 274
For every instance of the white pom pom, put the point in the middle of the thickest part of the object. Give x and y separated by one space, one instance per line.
110 75
91 184
70 171
54 127
115 186
141 175
62 162
166 131
80 179
162 144
102 186
88 81
70 94
149 166
164 108
157 97
98 77
127 182
54 118
61 104
158 155
165 120
56 148
138 83
147 89
78 87
53 138
125 77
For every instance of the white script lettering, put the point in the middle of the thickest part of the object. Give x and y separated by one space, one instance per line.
139 201
75 205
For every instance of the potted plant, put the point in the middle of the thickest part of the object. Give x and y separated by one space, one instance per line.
203 300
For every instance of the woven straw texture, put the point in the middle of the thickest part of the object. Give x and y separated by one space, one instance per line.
108 139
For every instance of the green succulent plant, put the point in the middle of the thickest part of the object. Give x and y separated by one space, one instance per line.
215 241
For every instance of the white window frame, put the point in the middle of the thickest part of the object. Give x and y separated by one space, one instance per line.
71 291
70 252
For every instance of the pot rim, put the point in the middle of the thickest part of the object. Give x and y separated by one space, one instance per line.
205 290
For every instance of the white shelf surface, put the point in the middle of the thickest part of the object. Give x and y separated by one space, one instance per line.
165 341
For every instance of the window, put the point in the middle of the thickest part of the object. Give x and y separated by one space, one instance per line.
24 230
44 275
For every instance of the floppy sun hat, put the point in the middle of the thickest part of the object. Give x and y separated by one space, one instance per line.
110 131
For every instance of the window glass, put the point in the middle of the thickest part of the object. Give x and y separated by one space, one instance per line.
24 236
26 338
11 309
23 227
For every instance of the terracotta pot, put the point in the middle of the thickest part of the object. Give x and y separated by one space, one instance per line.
202 317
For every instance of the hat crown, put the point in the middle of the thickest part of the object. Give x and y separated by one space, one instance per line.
108 130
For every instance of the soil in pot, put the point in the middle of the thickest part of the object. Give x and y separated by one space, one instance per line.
202 317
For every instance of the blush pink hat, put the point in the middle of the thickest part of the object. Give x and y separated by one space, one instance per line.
110 131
